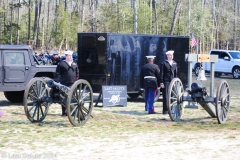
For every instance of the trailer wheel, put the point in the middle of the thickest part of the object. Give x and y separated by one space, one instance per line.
133 95
218 74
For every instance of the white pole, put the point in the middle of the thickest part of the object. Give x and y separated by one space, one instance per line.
189 7
135 16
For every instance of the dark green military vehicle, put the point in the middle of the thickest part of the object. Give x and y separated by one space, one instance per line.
18 66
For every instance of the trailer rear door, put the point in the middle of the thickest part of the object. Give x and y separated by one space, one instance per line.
92 60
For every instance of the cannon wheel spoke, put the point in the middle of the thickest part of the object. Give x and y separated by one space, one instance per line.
222 102
35 109
175 92
79 102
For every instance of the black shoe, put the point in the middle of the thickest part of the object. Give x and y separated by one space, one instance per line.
64 111
165 112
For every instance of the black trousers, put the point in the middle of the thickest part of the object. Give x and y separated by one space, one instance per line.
165 96
63 107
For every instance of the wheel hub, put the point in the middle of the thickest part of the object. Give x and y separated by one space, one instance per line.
179 98
80 102
39 100
223 101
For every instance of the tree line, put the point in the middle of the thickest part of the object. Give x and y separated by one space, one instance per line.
54 24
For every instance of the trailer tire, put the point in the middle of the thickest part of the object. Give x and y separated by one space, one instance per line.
218 74
14 96
133 95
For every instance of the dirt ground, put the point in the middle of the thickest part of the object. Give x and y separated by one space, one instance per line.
120 133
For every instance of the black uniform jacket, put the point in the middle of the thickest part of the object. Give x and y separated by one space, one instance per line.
55 61
152 70
168 72
67 74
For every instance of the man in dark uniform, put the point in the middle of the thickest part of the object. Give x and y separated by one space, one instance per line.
67 72
167 73
150 80
55 58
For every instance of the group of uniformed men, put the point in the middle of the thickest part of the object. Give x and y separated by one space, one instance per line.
152 77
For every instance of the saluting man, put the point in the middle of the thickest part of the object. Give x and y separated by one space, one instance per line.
150 80
167 73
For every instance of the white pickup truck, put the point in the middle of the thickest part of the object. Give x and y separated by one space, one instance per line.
228 63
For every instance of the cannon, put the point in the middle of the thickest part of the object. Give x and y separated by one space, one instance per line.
217 105
40 93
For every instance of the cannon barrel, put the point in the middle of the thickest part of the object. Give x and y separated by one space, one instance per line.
197 87
51 83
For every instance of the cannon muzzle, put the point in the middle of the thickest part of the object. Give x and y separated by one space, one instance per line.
198 88
198 92
51 83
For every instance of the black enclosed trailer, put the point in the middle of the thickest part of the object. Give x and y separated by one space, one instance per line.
116 59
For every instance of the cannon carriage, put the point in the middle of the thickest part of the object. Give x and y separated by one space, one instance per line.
40 93
217 105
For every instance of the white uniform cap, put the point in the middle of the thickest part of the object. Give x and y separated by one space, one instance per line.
69 52
170 52
150 57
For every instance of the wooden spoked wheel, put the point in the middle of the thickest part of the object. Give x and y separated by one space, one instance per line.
34 106
175 93
79 102
222 102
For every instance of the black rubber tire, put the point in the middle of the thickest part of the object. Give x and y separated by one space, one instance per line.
196 69
218 74
14 96
236 72
133 95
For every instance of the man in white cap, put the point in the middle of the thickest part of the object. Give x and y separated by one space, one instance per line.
67 72
167 73
150 80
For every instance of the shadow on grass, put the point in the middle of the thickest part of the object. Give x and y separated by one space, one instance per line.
48 114
5 103
58 123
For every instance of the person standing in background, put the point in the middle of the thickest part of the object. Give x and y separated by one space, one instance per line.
67 73
167 73
150 80
55 58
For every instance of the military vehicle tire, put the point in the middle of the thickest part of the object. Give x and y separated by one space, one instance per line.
14 96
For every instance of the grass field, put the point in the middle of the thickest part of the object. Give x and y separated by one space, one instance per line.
122 133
